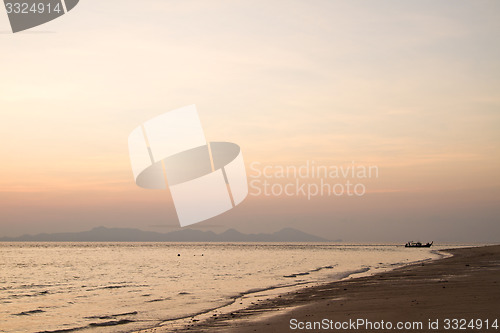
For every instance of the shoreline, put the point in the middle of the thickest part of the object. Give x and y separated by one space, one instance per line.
239 303
253 303
464 285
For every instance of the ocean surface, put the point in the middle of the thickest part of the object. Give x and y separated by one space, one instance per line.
122 287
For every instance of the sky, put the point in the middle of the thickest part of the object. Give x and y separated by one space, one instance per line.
410 87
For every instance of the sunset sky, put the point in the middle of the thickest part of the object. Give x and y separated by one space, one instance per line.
412 87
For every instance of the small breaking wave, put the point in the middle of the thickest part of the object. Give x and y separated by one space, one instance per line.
116 286
113 315
41 293
309 272
27 313
158 300
65 330
111 323
102 324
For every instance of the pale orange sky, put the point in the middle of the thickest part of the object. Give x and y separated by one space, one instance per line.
412 87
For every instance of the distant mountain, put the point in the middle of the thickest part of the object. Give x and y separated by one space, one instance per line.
103 234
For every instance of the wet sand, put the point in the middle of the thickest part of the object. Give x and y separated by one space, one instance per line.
465 286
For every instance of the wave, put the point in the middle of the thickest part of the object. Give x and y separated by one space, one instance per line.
347 274
158 300
41 293
27 313
112 316
102 324
111 323
309 272
65 330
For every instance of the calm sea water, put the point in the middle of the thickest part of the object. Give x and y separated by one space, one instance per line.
121 287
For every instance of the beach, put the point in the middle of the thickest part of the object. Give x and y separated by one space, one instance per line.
151 284
442 295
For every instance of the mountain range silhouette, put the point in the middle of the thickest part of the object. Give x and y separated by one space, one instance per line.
103 234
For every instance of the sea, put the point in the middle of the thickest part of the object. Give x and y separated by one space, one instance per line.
125 287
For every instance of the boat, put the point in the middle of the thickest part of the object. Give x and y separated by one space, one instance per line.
418 244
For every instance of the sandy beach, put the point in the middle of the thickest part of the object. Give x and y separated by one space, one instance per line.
446 294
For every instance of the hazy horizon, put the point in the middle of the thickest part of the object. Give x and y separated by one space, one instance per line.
409 87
